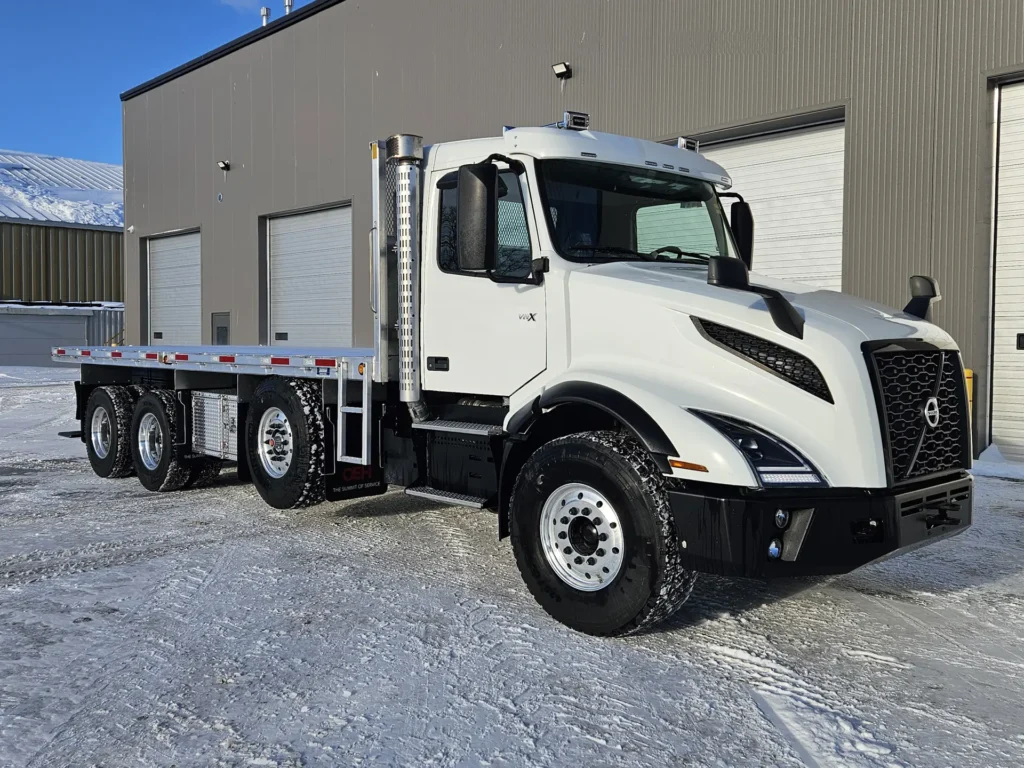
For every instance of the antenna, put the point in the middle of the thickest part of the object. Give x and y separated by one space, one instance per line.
265 15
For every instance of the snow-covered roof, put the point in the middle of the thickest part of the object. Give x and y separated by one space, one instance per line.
59 189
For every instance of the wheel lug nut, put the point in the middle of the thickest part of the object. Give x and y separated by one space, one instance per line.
562 534
603 537
597 521
586 511
591 561
578 560
574 511
568 550
564 521
600 553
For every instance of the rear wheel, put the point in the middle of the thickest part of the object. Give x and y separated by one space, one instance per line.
593 535
107 429
284 439
153 443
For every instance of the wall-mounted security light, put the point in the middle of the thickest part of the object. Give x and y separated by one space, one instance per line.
562 70
224 165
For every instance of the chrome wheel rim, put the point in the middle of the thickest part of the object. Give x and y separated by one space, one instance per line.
276 446
581 535
100 432
151 441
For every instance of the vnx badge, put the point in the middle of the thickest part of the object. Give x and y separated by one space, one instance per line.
931 412
530 317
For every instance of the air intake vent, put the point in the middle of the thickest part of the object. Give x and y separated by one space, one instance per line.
783 362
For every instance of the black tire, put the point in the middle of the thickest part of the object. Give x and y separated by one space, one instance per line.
117 403
170 473
202 472
651 584
302 484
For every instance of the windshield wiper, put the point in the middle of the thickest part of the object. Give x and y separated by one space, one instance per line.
702 257
611 249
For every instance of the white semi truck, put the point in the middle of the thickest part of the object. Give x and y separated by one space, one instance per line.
566 332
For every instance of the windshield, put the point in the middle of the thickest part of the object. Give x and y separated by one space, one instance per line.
604 212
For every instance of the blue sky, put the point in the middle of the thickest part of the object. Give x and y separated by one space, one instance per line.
65 62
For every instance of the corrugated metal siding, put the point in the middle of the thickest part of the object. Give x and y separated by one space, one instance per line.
105 326
45 263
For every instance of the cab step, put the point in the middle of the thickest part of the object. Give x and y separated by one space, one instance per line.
446 497
460 427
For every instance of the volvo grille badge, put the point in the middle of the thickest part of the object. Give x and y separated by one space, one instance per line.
931 412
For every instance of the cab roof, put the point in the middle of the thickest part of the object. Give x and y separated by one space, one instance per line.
551 142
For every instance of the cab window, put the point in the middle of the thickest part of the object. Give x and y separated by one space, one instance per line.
514 252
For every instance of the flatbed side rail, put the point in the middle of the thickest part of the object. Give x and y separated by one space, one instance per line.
266 361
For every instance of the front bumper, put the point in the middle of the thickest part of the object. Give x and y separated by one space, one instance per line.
829 531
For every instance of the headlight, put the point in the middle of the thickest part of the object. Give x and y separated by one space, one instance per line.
774 463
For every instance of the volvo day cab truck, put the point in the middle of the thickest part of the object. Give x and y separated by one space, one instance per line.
566 332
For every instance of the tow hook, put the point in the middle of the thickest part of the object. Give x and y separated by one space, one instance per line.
941 516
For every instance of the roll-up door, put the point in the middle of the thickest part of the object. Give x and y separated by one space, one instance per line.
1008 312
794 184
311 278
175 290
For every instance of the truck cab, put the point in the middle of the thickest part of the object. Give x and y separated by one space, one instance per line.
571 331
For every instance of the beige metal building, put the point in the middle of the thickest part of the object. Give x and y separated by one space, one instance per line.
874 139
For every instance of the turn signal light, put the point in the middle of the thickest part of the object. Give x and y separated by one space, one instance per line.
677 464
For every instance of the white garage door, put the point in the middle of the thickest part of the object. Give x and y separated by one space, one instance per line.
311 279
1008 312
794 184
175 290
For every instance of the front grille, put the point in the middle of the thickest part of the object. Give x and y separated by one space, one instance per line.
783 362
905 381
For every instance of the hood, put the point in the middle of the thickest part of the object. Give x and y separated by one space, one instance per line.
684 288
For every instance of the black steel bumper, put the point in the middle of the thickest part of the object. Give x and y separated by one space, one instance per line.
829 530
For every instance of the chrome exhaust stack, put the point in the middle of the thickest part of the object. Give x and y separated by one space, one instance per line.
405 151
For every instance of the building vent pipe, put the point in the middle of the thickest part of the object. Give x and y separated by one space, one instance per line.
265 15
288 6
406 153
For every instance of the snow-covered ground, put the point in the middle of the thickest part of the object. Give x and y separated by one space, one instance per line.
203 628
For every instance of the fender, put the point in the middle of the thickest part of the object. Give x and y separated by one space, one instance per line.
616 404
611 401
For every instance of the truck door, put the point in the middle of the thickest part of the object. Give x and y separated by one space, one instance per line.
479 336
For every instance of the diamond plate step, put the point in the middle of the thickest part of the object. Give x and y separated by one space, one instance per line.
462 427
446 497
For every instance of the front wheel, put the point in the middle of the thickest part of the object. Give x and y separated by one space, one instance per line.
593 535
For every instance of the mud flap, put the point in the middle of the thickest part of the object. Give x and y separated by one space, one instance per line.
352 481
